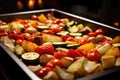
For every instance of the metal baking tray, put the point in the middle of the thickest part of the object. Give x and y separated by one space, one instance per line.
109 31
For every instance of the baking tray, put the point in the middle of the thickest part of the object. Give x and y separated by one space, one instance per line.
109 31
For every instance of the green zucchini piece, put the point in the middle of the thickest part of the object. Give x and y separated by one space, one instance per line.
73 29
75 34
30 58
72 23
40 28
73 46
59 44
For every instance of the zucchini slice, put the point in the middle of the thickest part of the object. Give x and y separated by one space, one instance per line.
59 44
63 33
75 34
73 29
72 23
40 28
30 58
73 46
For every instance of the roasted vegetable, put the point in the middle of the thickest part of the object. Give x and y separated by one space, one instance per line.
108 61
19 50
77 67
63 74
51 38
30 58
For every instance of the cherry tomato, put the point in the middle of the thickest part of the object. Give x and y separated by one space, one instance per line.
15 31
93 55
56 30
45 49
13 36
92 34
34 17
42 72
48 31
39 49
82 52
99 31
57 21
71 39
50 16
2 31
26 25
25 21
20 37
19 41
106 41
83 41
59 54
31 39
54 62
64 37
73 53
3 34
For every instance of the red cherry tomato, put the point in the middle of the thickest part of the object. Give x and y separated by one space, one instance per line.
13 36
48 31
25 21
73 53
71 38
15 31
56 29
31 39
3 34
34 17
39 49
42 72
50 16
106 41
45 49
19 41
64 37
93 55
20 37
2 31
26 25
99 31
83 41
54 62
82 52
59 54
57 21
92 34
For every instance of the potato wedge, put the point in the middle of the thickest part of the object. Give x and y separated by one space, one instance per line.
108 61
77 67
63 74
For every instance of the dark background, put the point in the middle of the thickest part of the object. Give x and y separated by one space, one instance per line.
104 11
